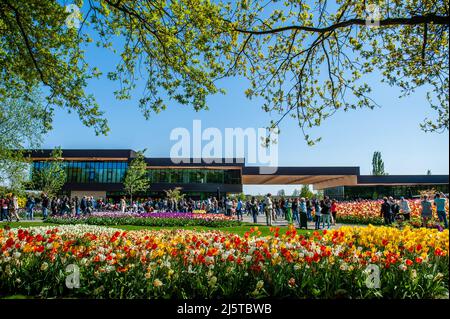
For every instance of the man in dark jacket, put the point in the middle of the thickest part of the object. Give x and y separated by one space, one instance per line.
45 205
395 209
83 205
386 211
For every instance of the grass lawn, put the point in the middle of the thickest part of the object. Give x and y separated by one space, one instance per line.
240 230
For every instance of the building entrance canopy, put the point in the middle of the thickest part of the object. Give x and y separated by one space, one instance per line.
319 177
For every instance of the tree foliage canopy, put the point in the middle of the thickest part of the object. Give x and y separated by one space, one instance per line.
22 124
305 59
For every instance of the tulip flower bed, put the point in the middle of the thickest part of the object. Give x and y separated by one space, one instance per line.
148 219
368 211
413 263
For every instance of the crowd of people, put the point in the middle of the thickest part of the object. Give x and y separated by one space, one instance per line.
392 210
54 206
296 210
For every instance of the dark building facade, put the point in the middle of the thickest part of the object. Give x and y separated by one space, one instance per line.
101 172
376 187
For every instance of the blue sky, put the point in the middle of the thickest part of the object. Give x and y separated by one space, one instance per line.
348 138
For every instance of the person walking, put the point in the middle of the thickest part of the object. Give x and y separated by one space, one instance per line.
427 211
405 210
268 209
83 205
239 210
288 210
281 211
90 205
4 203
317 214
14 207
303 214
386 211
254 209
228 206
30 207
54 206
295 208
395 209
325 206
439 202
333 211
45 204
76 205
309 209
123 204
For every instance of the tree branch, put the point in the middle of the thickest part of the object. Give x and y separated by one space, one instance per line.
414 20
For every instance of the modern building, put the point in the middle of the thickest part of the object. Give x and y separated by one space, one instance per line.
100 173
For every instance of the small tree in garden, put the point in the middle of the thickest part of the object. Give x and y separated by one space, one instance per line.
377 164
296 193
281 193
136 179
320 195
174 194
50 178
241 196
429 192
306 192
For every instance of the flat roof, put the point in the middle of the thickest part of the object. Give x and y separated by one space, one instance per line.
84 154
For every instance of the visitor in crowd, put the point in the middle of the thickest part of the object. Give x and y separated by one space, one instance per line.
282 210
288 210
268 206
76 205
295 210
317 215
395 209
123 204
45 202
439 202
427 211
386 211
54 206
30 207
333 211
239 209
405 210
325 206
309 209
4 203
303 221
90 205
228 206
254 209
14 207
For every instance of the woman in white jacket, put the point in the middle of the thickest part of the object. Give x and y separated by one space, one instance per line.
405 209
14 208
